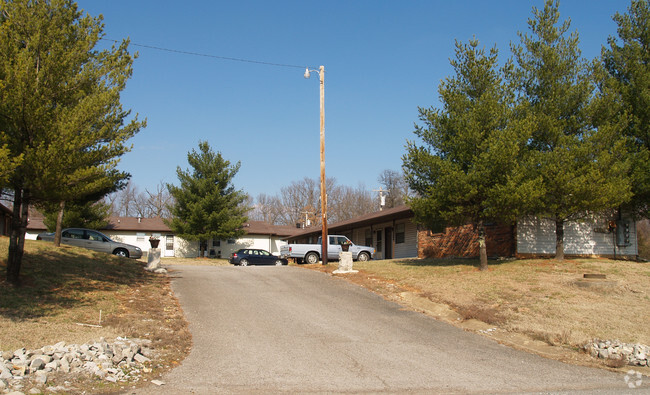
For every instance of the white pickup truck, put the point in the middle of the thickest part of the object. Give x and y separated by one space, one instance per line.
310 253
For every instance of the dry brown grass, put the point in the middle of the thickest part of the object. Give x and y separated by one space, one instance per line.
65 286
195 261
535 297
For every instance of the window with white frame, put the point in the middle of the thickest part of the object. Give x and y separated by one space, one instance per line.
368 237
400 233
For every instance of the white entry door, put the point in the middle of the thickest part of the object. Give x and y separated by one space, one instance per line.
169 245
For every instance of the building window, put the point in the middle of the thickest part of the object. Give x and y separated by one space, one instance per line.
369 238
140 236
400 233
216 243
379 241
231 241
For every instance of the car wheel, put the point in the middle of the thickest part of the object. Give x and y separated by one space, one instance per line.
363 257
312 258
121 252
243 262
278 262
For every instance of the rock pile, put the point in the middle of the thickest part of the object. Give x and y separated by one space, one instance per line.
121 360
632 354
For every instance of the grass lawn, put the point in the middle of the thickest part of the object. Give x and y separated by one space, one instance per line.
64 287
539 298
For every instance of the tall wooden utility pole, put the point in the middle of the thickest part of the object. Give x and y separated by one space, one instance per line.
323 193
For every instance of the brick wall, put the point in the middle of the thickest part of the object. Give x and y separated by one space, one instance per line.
462 241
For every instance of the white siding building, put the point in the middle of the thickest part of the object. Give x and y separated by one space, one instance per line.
393 233
137 231
595 236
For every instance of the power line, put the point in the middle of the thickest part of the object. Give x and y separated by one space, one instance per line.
207 55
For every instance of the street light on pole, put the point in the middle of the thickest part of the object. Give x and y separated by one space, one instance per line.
323 194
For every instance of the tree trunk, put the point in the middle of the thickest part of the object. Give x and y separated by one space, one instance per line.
17 235
481 246
559 239
59 225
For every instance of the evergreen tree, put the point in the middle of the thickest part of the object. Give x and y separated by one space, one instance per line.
206 204
579 165
92 215
7 164
469 169
60 110
625 104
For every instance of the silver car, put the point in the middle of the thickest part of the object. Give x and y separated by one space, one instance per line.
94 240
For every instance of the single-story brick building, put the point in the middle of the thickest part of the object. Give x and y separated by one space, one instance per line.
394 234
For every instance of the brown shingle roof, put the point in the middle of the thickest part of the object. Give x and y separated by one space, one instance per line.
264 228
137 224
157 224
36 221
390 214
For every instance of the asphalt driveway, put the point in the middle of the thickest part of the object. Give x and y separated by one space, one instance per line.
287 329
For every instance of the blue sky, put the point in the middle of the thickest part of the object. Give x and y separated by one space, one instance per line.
382 59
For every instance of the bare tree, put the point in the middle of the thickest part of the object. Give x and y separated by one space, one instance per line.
299 203
346 202
122 202
398 190
299 197
111 201
129 202
139 205
267 208
158 202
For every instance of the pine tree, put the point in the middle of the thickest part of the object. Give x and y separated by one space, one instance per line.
207 205
578 164
625 104
60 110
469 170
92 215
8 164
